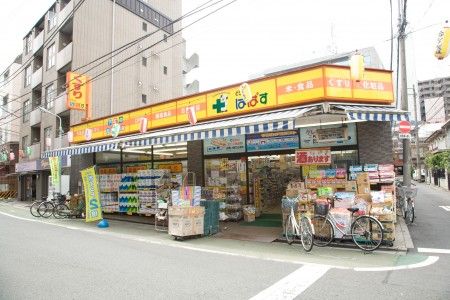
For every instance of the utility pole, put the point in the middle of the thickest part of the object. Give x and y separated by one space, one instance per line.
416 127
404 91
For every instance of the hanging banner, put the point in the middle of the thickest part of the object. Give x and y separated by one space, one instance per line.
317 156
91 195
78 91
55 168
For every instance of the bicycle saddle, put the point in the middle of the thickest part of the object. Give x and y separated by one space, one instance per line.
353 209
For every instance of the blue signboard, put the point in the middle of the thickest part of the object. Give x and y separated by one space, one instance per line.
235 144
272 141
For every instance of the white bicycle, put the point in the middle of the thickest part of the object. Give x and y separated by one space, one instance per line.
304 231
406 202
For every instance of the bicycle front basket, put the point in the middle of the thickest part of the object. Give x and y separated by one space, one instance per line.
410 192
288 203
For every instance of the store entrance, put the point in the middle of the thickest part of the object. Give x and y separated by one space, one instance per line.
269 176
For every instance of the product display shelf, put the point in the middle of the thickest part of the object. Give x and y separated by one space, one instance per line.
233 204
109 185
153 186
128 196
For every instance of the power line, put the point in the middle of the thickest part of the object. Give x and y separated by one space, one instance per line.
125 47
49 40
151 46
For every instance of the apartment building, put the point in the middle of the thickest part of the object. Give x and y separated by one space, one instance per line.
434 96
9 128
76 35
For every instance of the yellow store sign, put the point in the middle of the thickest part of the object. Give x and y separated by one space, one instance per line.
314 85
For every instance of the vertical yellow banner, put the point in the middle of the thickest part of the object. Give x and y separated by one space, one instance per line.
78 91
91 194
55 168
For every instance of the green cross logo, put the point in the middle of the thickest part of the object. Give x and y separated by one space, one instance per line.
221 104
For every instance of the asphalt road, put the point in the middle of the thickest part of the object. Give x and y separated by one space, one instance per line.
42 261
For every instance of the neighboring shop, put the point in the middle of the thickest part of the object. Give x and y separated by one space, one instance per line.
8 176
247 144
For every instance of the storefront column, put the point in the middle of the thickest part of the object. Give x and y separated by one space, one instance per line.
195 161
78 163
375 143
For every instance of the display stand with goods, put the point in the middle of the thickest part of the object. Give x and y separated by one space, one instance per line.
109 187
186 217
249 213
153 188
128 194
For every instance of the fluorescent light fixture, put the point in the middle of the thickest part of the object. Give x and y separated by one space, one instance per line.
179 153
170 149
163 153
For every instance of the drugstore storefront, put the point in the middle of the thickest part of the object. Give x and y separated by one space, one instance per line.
240 140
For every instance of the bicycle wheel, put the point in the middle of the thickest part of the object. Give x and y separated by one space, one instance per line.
323 231
45 209
34 209
306 233
409 218
367 233
404 208
289 230
61 211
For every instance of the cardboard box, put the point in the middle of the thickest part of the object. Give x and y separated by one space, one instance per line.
186 226
292 193
249 218
365 197
362 178
363 188
351 186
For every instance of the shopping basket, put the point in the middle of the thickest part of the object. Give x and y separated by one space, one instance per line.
288 203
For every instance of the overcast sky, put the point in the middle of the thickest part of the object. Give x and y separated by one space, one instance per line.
250 36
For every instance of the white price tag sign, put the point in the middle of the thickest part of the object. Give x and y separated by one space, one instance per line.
404 136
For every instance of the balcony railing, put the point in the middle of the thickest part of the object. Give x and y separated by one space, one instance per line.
38 42
60 103
35 117
60 142
64 57
65 12
36 78
35 151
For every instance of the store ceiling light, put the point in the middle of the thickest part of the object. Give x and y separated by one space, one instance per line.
328 123
163 153
171 149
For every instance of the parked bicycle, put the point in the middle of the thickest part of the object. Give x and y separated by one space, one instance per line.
46 208
365 231
406 202
73 208
34 207
303 230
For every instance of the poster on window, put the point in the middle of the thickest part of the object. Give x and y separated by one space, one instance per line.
235 144
328 135
272 141
317 156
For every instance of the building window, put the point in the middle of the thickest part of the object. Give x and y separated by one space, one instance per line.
5 100
165 70
26 111
51 56
51 18
144 26
48 138
144 61
25 142
144 98
27 76
49 96
28 44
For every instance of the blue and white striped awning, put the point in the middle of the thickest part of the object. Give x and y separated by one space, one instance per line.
265 122
282 120
83 149
374 113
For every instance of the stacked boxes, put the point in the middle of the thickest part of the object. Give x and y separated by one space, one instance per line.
363 183
382 209
186 221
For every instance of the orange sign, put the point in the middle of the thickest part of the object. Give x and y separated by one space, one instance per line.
314 85
78 91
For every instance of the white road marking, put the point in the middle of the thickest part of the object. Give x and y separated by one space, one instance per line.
447 208
427 262
294 284
433 250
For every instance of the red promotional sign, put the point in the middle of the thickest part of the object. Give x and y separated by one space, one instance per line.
316 156
404 127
